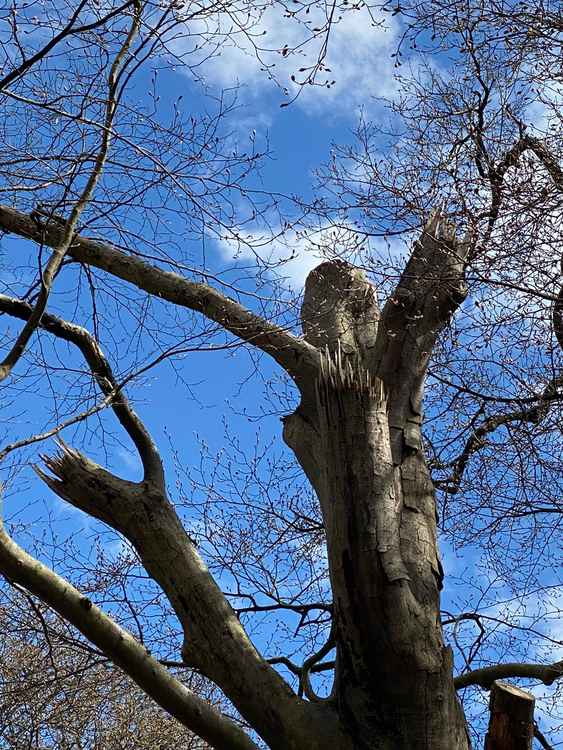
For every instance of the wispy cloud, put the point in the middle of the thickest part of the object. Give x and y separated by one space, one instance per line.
358 57
295 253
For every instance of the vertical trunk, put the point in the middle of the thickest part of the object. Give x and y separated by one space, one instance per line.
511 726
357 437
394 675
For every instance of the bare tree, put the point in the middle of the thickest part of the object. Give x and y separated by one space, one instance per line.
59 692
356 547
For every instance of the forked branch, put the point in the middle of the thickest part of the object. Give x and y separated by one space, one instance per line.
67 231
105 378
296 356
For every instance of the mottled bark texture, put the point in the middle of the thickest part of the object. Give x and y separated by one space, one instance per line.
358 438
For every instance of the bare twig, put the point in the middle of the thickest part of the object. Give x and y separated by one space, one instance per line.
120 646
101 370
55 261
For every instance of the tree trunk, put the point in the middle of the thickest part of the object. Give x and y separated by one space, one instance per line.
360 446
357 435
511 726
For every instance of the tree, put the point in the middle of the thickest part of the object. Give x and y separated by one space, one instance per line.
59 693
359 368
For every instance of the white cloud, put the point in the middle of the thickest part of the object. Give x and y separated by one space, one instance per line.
293 255
358 56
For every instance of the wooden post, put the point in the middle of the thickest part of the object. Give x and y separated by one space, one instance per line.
511 725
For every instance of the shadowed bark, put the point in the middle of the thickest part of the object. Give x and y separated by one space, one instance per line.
512 719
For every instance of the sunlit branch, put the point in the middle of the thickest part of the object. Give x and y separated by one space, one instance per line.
484 677
120 646
296 356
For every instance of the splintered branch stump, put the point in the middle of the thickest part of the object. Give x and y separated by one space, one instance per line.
511 725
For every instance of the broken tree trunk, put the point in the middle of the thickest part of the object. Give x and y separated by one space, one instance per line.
511 726
357 435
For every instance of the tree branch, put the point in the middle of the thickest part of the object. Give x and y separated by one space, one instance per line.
55 262
540 737
215 642
101 370
429 291
311 662
558 312
296 356
476 441
496 175
68 30
120 646
546 673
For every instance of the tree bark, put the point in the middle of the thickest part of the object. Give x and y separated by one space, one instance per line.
511 725
357 434
216 643
358 439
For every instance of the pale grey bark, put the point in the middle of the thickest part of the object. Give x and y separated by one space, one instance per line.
358 440
215 641
121 648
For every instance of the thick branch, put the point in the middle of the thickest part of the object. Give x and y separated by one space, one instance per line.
296 356
215 641
120 646
546 673
101 370
429 291
432 284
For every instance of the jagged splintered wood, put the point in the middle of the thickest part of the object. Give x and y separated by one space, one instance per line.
511 725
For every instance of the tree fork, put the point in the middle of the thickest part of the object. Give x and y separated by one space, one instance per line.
394 676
